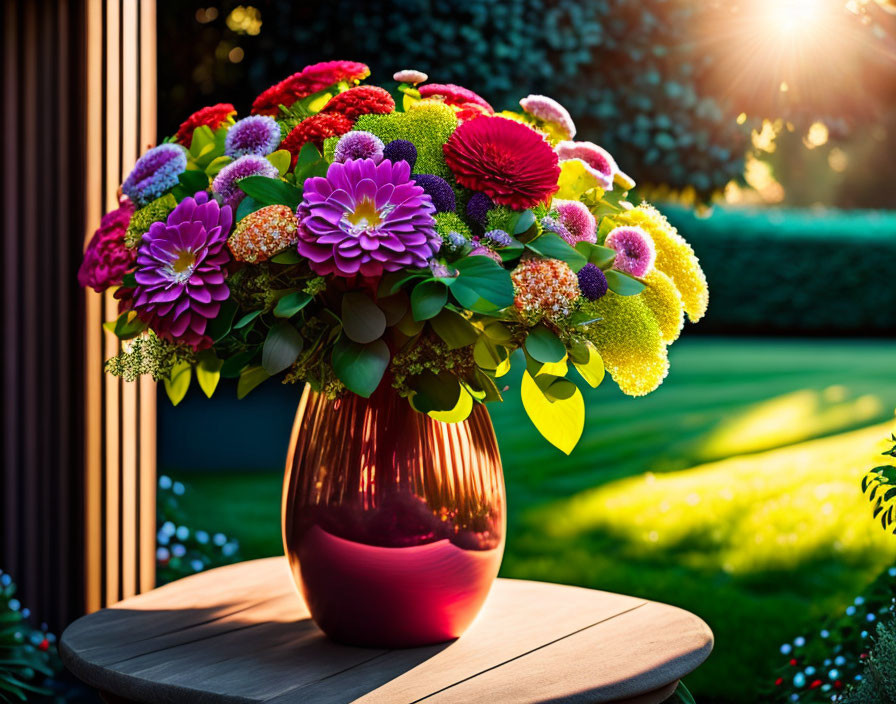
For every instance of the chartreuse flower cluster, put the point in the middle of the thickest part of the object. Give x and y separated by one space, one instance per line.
339 238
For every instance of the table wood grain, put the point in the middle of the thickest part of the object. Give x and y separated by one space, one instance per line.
242 635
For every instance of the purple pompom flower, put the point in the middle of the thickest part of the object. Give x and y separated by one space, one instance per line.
577 219
155 173
225 183
635 252
366 218
592 282
401 150
358 145
549 110
478 207
256 134
439 190
498 238
180 270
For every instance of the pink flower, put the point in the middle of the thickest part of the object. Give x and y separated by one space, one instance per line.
107 259
411 76
454 95
635 251
549 110
597 160
577 219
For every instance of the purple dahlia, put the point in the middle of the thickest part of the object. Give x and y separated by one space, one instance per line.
228 178
155 173
180 270
256 134
366 218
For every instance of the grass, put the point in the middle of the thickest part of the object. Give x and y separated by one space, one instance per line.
733 492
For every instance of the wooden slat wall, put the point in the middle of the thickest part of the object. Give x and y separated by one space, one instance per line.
120 448
77 499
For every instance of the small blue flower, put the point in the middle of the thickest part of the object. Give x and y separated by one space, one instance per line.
178 550
850 610
799 641
165 482
786 648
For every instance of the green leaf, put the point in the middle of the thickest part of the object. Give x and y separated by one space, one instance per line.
208 371
308 154
427 299
623 284
247 206
682 695
234 365
280 160
587 361
360 367
270 191
129 280
179 382
524 223
281 348
291 304
544 346
362 320
602 257
193 181
556 408
249 379
219 327
434 392
455 330
482 285
126 326
552 246
246 319
202 138
394 307
487 354
214 168
288 256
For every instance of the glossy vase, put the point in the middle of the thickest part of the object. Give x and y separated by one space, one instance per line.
393 523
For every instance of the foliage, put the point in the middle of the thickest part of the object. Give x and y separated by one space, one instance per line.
795 272
27 655
880 487
878 684
181 550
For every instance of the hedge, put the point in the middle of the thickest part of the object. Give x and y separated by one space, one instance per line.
795 271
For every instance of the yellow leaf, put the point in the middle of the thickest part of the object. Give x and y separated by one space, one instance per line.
556 408
457 414
176 387
208 371
575 180
487 354
592 369
280 160
319 102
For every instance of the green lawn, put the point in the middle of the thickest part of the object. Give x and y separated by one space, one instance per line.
733 491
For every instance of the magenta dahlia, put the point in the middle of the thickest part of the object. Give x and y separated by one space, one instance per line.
180 270
366 218
505 159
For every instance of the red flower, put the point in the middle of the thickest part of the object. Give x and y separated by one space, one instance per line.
308 81
503 159
361 100
315 129
469 111
453 95
212 116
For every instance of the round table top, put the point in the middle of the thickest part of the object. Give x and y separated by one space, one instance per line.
241 634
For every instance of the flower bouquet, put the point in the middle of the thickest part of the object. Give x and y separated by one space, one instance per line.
392 251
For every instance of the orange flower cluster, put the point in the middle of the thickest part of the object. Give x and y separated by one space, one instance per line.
264 233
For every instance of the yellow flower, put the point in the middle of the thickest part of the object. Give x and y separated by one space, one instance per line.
674 257
665 303
628 338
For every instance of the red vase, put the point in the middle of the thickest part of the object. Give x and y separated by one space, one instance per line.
393 523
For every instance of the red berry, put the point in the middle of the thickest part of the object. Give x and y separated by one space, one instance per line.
44 645
793 661
815 684
779 681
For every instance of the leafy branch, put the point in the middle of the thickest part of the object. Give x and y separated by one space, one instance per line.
879 485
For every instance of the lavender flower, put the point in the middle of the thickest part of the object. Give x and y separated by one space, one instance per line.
256 134
228 178
155 173
358 145
558 228
498 238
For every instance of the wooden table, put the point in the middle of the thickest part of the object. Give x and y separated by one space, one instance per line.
241 634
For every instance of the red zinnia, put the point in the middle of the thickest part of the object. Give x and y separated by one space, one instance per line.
361 100
504 159
212 116
315 129
308 81
453 95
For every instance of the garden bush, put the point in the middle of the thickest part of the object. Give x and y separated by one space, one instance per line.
795 271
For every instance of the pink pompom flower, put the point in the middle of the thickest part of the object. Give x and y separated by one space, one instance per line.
597 160
577 219
550 111
635 251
